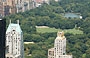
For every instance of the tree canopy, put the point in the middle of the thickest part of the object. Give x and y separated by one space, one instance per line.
51 15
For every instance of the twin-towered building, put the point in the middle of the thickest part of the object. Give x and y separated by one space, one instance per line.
14 41
59 50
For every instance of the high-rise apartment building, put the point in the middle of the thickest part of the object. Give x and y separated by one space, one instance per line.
2 38
19 4
15 6
28 4
1 9
14 41
11 5
59 50
4 9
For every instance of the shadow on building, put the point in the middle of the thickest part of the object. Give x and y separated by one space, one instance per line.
2 38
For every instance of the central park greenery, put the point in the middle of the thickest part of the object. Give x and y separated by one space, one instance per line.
50 15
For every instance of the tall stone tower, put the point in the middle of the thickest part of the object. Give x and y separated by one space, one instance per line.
59 50
60 45
14 41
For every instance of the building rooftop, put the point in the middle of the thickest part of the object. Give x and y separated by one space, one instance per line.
60 35
14 26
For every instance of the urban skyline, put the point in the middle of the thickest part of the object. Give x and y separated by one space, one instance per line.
8 7
40 30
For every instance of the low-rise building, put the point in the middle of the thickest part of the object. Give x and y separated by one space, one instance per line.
51 53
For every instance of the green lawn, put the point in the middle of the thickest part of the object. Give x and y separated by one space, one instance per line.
48 30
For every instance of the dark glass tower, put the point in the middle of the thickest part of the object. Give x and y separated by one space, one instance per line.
2 38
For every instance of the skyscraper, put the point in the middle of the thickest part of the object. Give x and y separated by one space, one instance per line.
59 50
19 5
60 45
2 38
14 41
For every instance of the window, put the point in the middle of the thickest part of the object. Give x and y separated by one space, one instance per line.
13 30
7 49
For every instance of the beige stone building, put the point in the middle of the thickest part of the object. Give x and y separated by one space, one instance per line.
59 50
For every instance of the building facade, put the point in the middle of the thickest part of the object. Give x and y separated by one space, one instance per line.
51 53
11 5
2 0
14 41
40 2
19 4
15 6
59 50
2 38
4 9
28 4
1 9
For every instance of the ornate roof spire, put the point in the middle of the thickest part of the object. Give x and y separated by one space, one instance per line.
60 34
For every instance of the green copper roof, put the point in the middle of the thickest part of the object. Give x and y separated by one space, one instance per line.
14 26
